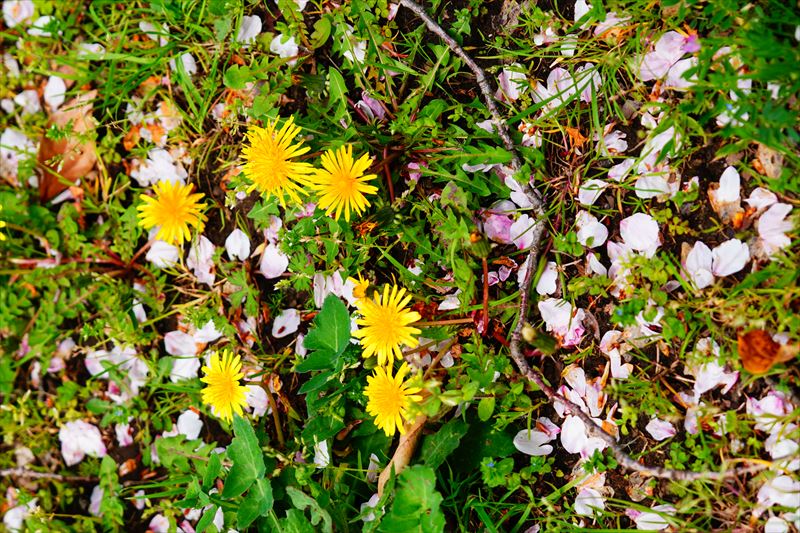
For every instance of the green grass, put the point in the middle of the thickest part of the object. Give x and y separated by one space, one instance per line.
426 236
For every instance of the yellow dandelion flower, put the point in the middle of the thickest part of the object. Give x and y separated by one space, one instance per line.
224 393
268 161
360 288
385 325
342 183
174 208
389 399
2 225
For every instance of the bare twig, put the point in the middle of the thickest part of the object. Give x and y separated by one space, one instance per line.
619 453
405 449
483 83
538 231
32 474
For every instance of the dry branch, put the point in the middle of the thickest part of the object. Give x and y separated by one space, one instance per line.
534 376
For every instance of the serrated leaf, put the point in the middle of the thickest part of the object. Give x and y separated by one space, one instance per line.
436 447
248 461
257 503
416 503
329 337
322 30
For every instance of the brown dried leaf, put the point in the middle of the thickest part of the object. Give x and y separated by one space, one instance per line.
405 449
66 160
768 162
758 352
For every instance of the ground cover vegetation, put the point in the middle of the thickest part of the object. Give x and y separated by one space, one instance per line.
304 265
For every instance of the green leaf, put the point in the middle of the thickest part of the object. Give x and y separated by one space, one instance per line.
301 501
329 337
322 30
237 77
416 503
486 408
248 461
436 447
213 469
257 503
206 519
338 94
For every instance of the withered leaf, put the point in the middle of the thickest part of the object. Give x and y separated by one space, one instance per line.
759 352
64 161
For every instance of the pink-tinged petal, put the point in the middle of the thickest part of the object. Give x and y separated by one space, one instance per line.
676 78
208 333
180 343
660 429
591 233
533 442
79 439
286 323
547 281
189 424
654 521
573 434
521 232
124 434
781 490
698 265
563 320
237 245
512 83
498 228
768 411
729 257
772 228
761 198
640 232
163 255
273 262
201 260
95 500
590 191
249 29
594 265
588 502
184 367
620 170
257 400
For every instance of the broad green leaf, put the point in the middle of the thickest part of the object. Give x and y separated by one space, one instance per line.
329 337
237 77
436 447
322 30
301 500
248 461
213 469
257 503
338 93
206 519
486 408
416 503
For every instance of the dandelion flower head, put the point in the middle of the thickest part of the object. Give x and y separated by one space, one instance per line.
269 161
223 391
2 225
342 184
385 325
173 210
389 399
